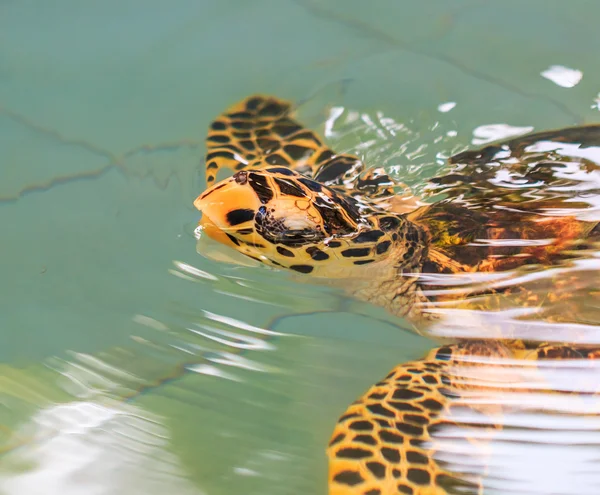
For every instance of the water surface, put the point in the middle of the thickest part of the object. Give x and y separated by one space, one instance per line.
130 361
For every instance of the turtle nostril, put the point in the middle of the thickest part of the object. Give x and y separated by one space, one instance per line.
240 177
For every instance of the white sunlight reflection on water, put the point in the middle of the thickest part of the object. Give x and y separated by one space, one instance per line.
94 448
550 435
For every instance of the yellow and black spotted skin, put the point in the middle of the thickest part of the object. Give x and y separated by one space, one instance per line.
294 203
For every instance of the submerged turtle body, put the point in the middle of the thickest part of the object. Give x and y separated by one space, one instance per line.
294 203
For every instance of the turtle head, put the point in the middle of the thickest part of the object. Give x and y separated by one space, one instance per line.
285 219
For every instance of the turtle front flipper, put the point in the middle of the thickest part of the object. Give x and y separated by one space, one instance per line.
260 131
383 444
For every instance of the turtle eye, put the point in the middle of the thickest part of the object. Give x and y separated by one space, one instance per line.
240 177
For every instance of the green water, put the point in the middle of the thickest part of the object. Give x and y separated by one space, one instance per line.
104 107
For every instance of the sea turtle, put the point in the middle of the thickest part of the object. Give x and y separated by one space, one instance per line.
294 203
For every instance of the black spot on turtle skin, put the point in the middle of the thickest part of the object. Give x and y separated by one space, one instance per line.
392 455
311 184
285 128
412 430
218 126
282 171
361 426
232 239
298 152
334 244
374 491
363 262
289 188
407 490
244 231
240 166
285 252
391 437
414 418
410 252
383 422
418 476
389 223
316 254
241 215
432 404
276 159
353 453
365 439
268 145
377 468
240 115
380 410
302 268
247 144
416 457
261 187
218 138
368 236
272 109
382 247
349 478
241 125
430 380
406 394
355 252
212 166
253 103
242 134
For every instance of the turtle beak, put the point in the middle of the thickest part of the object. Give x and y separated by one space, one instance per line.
228 206
214 232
